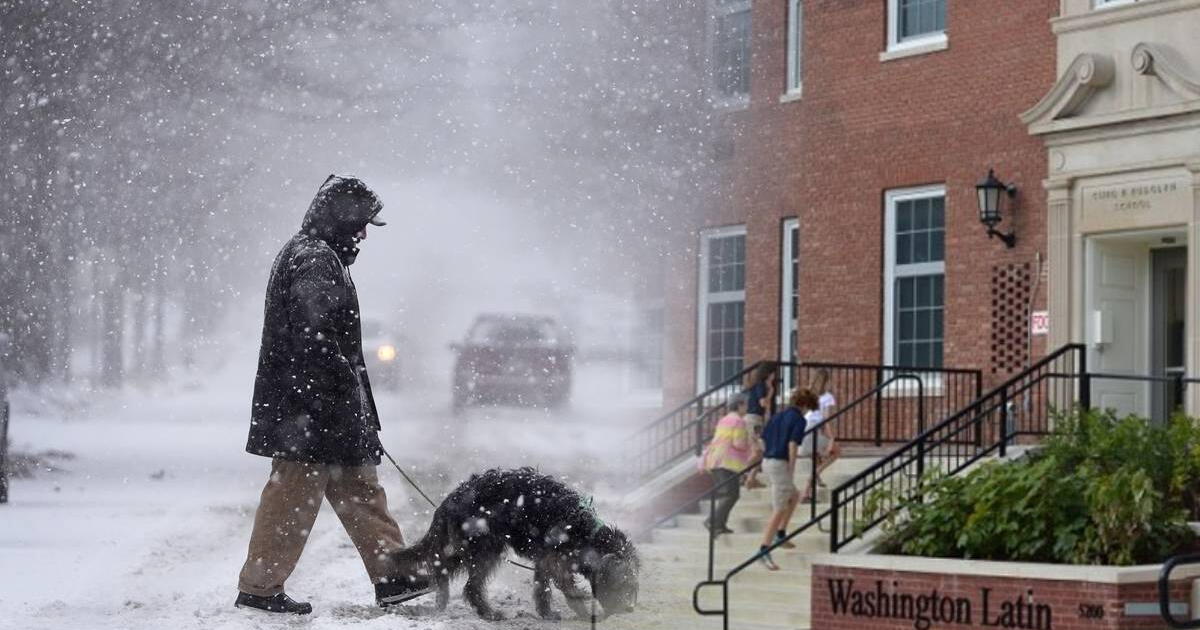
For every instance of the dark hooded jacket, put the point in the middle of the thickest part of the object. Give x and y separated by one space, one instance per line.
312 398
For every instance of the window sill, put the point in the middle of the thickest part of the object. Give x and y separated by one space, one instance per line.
1104 6
920 47
643 398
792 95
931 385
732 103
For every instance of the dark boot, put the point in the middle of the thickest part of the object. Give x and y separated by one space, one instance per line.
401 589
279 603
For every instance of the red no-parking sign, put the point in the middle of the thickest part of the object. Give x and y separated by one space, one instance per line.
1039 322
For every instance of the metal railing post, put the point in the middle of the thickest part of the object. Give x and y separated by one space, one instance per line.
878 408
1004 422
920 466
725 604
812 480
920 406
3 447
978 422
1085 380
833 520
712 511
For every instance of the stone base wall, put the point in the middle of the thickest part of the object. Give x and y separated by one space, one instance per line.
852 598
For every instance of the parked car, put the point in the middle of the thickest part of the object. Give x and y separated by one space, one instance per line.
382 349
523 359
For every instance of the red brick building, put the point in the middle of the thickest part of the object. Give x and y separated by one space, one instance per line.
849 229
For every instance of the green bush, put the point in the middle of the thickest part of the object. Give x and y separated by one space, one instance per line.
1102 490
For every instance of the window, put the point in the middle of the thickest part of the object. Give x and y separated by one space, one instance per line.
1102 4
789 305
914 251
722 311
916 24
647 350
731 49
795 47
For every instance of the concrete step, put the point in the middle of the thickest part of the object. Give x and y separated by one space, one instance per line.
676 559
696 541
747 518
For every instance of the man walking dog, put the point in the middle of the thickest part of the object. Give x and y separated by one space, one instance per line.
313 412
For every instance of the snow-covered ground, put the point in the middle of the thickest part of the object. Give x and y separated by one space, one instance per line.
146 526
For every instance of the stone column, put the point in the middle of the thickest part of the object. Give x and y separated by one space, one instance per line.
1059 260
1192 399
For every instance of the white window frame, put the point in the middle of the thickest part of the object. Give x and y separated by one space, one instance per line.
1108 4
722 8
787 316
639 394
891 198
921 44
795 50
704 299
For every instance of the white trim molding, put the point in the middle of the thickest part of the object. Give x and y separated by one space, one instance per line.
717 10
795 49
787 310
704 298
890 271
899 47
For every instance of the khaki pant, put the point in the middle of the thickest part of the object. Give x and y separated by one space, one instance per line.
288 508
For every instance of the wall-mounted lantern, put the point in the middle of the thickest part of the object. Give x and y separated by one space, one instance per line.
990 192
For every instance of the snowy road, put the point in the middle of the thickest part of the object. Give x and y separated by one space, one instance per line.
146 527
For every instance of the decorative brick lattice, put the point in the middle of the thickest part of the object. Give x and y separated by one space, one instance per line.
1011 285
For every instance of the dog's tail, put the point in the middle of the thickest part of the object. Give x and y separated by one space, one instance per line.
425 555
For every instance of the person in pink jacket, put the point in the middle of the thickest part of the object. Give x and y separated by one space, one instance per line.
732 449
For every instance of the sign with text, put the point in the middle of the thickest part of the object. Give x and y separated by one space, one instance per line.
941 598
1134 202
1039 322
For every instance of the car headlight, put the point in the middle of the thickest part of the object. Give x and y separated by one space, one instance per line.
386 352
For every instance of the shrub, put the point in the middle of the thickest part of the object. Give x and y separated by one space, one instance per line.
1102 490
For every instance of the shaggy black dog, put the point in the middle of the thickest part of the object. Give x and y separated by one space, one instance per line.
540 519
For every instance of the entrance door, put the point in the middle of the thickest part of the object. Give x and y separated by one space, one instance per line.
1115 316
1168 314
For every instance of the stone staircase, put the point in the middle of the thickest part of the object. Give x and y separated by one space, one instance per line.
676 559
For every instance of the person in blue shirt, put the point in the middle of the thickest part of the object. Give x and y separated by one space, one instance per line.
781 443
759 391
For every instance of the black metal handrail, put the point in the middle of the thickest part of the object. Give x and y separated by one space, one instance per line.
1164 591
1021 406
875 394
680 432
810 433
989 424
684 430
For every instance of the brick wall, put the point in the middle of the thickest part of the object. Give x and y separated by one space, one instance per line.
1072 604
862 127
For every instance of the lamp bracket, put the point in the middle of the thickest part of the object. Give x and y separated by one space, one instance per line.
1010 239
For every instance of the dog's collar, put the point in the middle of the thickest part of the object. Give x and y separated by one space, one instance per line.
597 524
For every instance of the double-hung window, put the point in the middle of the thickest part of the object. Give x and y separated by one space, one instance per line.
647 351
722 311
731 50
789 303
916 24
915 270
795 47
